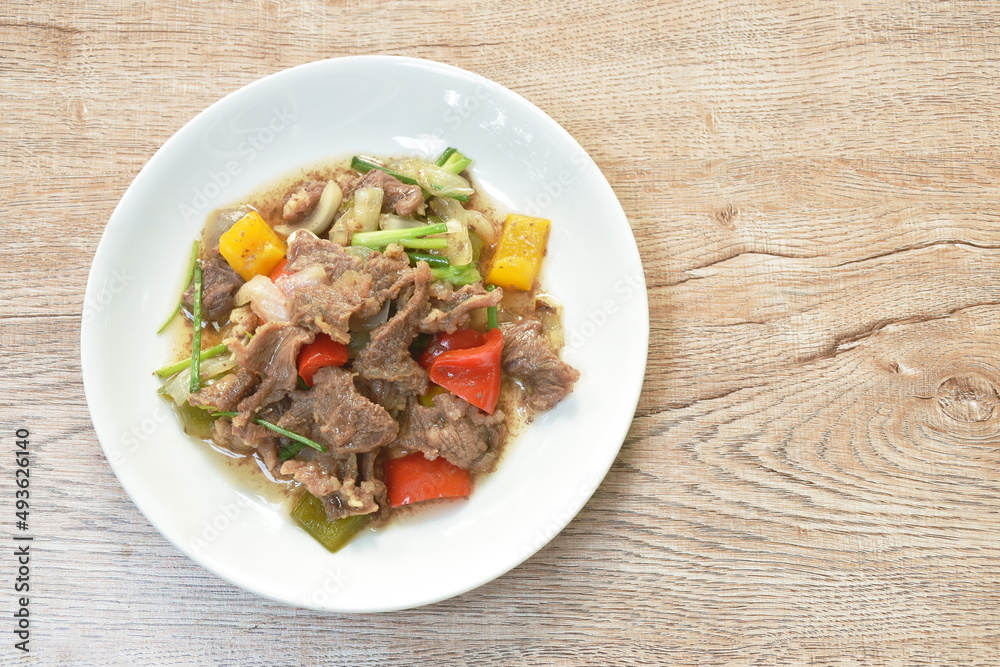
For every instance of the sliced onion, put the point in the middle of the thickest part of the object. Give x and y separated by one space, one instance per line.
321 217
359 251
314 274
367 207
447 208
433 178
361 215
393 221
459 249
338 233
178 388
218 223
381 317
266 300
482 226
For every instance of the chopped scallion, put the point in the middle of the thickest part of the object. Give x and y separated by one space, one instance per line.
434 261
385 237
178 366
458 275
425 244
277 429
366 164
187 281
196 336
452 160
290 450
492 320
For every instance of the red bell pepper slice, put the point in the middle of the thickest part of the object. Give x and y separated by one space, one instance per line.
473 373
279 271
322 352
442 342
413 478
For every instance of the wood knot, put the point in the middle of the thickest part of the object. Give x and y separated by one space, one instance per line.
968 399
726 215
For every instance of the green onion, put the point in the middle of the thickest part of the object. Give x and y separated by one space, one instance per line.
443 158
277 429
309 513
492 321
187 281
435 261
366 164
452 160
385 237
178 366
425 244
458 275
196 339
290 450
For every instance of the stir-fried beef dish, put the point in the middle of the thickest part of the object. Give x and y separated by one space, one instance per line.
374 335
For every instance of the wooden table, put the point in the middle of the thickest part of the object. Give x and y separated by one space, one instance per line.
813 474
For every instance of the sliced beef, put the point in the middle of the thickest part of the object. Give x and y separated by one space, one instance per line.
271 356
225 393
298 417
337 416
328 308
305 248
243 321
251 437
387 355
219 284
398 197
348 421
528 357
452 309
368 281
383 392
346 485
314 476
454 429
300 201
390 273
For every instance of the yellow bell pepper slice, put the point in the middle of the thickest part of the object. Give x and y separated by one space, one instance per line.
519 253
251 247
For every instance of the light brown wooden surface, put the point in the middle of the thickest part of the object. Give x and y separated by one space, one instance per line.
813 474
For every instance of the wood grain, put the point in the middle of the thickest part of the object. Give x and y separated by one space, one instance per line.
813 475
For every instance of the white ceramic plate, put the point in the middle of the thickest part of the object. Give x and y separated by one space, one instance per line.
297 118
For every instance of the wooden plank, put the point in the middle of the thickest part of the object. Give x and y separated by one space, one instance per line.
813 473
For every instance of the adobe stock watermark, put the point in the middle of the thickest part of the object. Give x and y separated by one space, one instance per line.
466 107
625 289
558 520
119 280
253 145
212 529
556 187
461 108
332 583
141 431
